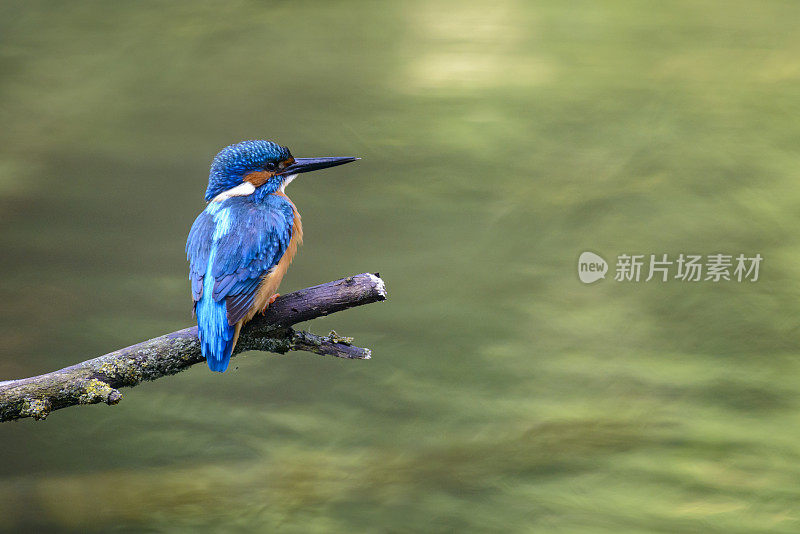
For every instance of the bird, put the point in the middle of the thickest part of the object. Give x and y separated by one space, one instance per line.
242 243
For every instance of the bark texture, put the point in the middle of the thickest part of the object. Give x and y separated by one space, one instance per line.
97 380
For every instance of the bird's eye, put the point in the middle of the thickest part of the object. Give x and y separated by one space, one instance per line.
269 166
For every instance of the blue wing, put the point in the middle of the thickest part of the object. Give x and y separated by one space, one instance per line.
231 246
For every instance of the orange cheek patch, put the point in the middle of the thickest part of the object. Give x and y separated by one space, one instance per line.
258 178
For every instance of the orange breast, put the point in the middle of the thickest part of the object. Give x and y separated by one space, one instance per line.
271 280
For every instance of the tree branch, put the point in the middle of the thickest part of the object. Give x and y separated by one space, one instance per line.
97 380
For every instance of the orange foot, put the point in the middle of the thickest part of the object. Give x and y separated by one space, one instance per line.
270 301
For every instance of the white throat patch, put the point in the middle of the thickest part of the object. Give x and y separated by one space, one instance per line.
246 188
241 190
286 182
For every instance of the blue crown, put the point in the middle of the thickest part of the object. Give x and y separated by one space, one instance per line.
234 162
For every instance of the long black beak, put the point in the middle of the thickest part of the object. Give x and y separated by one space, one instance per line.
314 164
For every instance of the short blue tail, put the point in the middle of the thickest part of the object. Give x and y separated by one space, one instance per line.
218 351
216 335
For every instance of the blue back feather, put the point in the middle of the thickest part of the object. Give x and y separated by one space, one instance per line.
231 246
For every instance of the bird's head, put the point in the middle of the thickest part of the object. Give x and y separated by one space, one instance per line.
243 168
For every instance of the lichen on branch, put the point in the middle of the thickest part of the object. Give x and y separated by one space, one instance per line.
97 380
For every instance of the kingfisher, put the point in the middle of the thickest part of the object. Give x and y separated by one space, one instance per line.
241 245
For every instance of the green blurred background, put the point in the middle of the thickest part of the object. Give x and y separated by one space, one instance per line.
500 139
